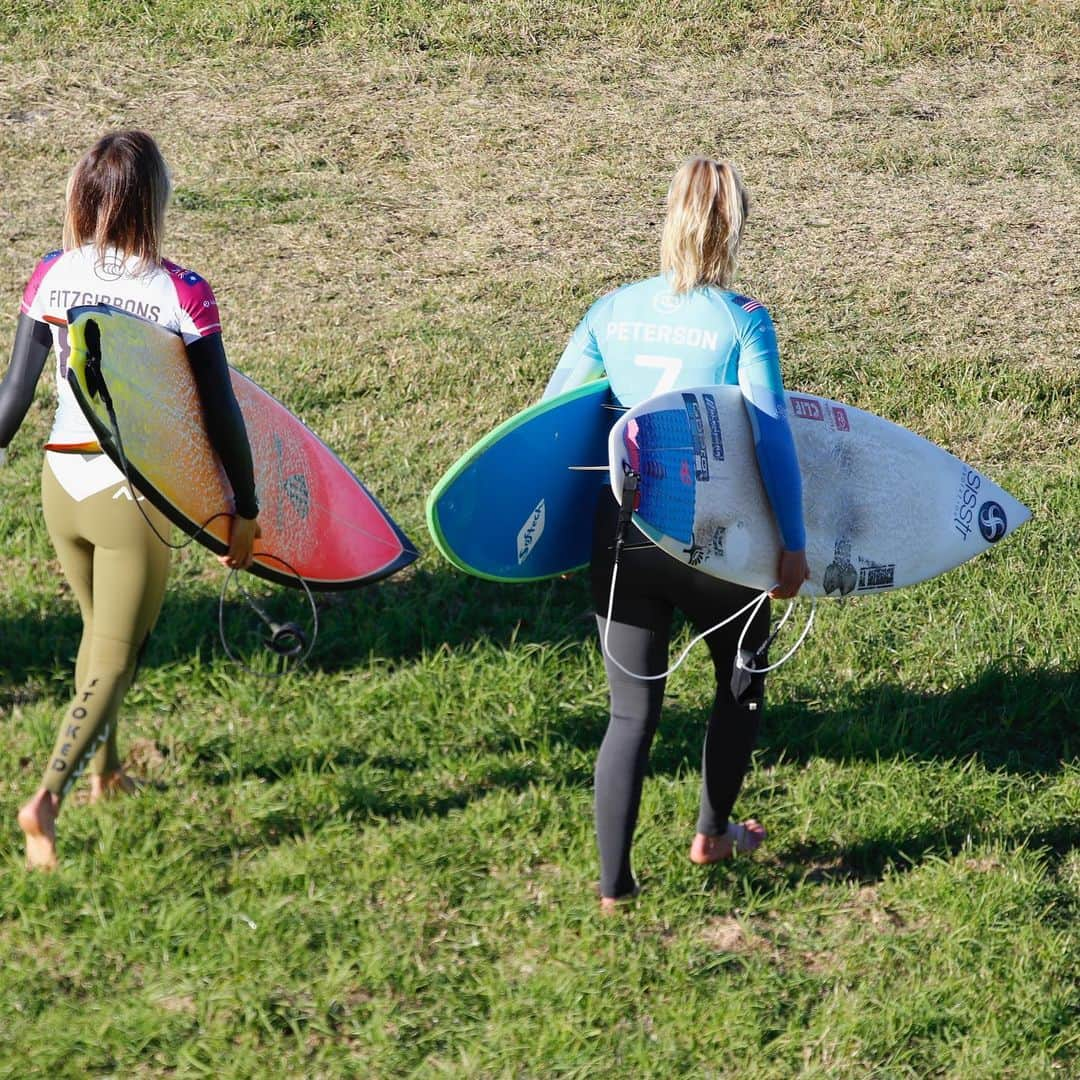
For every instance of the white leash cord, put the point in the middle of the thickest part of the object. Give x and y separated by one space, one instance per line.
755 604
790 653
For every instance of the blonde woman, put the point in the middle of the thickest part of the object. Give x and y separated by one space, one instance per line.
684 328
103 532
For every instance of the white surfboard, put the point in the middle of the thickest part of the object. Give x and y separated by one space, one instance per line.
883 506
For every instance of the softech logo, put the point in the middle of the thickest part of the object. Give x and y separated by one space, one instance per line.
531 532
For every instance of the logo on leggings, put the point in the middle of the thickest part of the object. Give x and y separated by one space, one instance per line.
531 532
62 762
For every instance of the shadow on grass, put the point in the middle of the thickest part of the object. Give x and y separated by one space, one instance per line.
867 862
402 617
1014 719
395 619
1020 722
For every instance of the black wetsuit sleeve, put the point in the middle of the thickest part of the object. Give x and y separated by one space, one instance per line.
33 340
223 419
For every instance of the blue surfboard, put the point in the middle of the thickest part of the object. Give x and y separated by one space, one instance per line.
514 507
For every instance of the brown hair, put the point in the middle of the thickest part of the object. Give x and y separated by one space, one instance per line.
116 197
707 207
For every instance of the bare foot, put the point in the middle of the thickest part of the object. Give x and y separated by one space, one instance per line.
109 785
748 836
37 819
612 905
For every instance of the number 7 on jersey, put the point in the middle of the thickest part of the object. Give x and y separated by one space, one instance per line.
670 366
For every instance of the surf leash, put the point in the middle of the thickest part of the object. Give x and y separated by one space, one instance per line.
762 650
285 639
745 660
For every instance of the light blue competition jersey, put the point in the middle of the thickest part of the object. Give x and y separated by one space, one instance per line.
648 340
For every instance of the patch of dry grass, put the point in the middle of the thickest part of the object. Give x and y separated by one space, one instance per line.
879 30
395 241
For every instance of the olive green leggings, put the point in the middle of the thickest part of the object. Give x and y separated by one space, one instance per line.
117 569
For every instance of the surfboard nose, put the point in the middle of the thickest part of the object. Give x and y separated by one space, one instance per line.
999 515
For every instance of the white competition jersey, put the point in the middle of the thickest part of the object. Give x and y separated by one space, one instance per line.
166 294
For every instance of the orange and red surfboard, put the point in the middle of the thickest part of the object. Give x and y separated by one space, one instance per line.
319 522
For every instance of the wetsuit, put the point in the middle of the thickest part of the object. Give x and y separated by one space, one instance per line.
648 340
115 564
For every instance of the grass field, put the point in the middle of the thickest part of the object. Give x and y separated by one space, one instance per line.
383 866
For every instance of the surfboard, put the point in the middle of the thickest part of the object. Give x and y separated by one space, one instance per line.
883 507
318 520
513 507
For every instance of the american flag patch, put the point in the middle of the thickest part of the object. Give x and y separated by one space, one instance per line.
748 303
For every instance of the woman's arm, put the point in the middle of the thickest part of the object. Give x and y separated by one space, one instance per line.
580 362
33 340
228 436
763 393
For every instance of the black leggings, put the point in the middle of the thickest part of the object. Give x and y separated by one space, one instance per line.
651 585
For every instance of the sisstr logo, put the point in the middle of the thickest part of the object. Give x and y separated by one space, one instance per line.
531 532
988 515
967 498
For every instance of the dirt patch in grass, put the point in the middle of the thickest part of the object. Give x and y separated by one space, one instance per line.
729 935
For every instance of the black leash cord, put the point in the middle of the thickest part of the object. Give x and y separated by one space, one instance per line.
287 639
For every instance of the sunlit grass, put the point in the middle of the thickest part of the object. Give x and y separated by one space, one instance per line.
384 865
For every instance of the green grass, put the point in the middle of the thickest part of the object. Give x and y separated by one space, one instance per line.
384 866
882 30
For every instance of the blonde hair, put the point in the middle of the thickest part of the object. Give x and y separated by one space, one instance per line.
707 206
116 197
